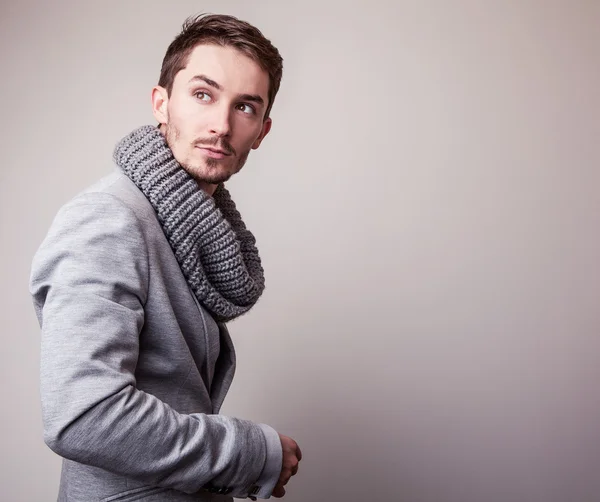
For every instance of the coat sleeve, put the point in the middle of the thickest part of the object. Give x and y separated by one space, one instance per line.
89 283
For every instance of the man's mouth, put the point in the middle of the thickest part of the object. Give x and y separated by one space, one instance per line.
214 153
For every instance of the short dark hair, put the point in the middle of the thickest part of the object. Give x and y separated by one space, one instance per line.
227 31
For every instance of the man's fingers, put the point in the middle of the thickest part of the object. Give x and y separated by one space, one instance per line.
278 491
288 475
291 456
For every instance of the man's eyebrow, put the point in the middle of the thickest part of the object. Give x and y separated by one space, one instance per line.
252 97
209 81
255 98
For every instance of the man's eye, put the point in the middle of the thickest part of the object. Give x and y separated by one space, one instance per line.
246 108
202 96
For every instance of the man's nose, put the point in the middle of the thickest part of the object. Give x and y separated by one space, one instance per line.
220 123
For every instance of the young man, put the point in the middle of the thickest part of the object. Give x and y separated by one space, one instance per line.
135 281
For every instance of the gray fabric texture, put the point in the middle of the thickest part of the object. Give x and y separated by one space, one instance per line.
134 368
215 250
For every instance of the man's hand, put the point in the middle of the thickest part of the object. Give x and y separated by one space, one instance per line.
291 456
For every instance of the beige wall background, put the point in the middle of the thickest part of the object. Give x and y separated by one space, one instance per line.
427 207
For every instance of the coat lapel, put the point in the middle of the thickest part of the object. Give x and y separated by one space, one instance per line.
224 369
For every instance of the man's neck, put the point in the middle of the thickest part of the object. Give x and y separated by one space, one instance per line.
209 188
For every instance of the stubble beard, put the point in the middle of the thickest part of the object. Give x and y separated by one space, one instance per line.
209 172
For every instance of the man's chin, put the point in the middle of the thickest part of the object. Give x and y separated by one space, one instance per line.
209 176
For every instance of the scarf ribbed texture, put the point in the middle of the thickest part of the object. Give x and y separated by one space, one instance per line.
216 252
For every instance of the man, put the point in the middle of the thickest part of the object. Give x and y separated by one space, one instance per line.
136 279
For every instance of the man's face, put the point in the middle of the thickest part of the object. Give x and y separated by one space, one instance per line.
214 115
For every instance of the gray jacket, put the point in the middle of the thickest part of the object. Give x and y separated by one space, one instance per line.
133 369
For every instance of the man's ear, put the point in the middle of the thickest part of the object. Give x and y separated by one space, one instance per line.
160 100
265 130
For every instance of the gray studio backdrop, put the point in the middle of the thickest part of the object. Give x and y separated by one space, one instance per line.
427 207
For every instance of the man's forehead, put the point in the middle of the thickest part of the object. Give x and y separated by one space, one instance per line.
232 69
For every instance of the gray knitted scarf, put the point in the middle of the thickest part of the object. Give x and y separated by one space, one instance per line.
216 253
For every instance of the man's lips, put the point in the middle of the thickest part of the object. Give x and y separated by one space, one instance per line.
214 153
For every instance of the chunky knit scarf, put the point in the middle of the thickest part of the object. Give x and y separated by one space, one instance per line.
215 251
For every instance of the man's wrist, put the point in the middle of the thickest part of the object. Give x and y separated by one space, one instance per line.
264 485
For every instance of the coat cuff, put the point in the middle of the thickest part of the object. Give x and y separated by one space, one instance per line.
263 487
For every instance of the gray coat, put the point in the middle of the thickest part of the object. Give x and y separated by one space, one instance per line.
133 369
